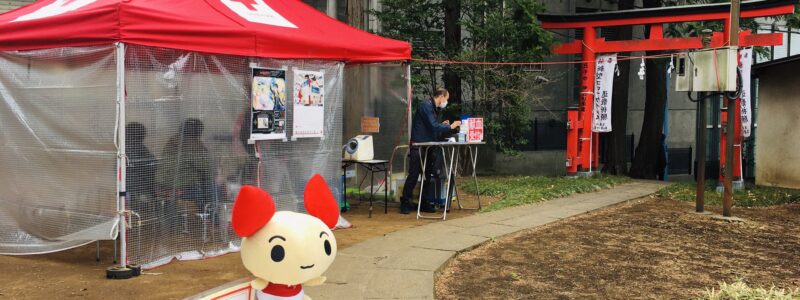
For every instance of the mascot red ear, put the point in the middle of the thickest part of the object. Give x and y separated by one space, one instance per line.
319 201
253 209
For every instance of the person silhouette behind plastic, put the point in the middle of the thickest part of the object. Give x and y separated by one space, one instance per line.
185 172
141 169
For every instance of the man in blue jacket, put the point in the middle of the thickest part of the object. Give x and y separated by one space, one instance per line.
425 127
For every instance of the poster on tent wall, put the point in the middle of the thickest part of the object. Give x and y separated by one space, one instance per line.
745 63
268 104
603 86
309 103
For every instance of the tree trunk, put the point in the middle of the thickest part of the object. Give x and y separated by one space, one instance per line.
452 45
618 146
646 159
355 13
355 76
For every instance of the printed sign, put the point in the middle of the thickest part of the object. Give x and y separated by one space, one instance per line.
603 86
745 63
475 133
370 125
309 104
268 104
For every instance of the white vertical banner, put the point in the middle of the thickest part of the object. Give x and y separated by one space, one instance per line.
745 63
603 86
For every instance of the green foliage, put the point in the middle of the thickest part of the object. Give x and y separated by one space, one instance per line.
496 31
793 20
354 194
750 196
419 22
693 29
740 291
514 191
503 31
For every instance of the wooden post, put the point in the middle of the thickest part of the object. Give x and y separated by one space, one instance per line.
727 200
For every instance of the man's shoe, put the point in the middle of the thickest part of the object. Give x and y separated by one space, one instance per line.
428 209
404 208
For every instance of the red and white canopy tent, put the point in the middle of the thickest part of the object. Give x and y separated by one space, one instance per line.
270 29
281 29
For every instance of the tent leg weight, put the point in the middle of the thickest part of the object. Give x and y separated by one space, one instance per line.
119 273
137 269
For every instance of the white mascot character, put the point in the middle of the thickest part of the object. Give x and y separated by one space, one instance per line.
285 250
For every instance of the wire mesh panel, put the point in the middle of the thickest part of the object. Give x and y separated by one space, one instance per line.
187 129
58 115
287 166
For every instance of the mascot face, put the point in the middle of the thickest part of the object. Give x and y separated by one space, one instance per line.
286 247
293 248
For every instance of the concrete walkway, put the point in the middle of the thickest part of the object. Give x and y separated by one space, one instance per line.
404 264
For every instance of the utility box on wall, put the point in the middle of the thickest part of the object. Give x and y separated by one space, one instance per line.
714 70
684 73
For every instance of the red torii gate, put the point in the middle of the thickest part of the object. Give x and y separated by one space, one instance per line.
582 144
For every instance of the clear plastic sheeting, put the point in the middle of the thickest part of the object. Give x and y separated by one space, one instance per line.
58 115
186 133
385 96
388 100
186 130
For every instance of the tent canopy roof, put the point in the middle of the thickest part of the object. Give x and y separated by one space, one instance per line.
281 29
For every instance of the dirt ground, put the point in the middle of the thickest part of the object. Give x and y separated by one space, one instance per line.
76 274
648 248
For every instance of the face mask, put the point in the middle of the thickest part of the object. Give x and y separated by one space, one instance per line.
443 105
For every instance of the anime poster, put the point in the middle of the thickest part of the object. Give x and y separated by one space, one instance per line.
309 103
268 107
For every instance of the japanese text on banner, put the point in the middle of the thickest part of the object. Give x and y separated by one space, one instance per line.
603 86
745 62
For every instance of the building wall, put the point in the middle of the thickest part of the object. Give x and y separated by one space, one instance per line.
777 157
6 5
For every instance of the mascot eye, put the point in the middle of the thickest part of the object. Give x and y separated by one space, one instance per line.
328 248
277 253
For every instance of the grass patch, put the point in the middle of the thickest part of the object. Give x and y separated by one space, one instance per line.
750 196
514 191
740 291
354 194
